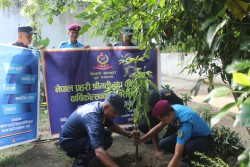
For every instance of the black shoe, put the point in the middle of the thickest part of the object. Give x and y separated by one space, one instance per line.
80 161
149 141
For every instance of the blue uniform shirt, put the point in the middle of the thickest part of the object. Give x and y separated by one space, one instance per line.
87 120
69 44
192 124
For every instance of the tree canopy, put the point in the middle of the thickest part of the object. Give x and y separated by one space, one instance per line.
216 30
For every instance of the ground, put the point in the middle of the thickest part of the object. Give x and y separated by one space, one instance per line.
46 151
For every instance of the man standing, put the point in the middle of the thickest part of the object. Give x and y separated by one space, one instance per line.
73 32
83 135
193 133
24 37
127 37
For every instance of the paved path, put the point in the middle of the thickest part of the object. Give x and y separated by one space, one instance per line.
184 86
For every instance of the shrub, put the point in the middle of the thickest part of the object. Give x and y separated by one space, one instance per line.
211 162
226 141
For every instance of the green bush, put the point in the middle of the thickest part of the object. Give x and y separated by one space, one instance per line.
210 162
226 142
206 114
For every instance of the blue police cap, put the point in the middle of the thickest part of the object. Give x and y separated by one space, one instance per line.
117 102
26 29
128 31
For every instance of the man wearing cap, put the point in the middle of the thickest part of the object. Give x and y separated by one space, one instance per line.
126 38
24 37
73 32
164 94
193 133
83 135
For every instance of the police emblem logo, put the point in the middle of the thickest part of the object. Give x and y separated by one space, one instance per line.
102 59
167 94
179 133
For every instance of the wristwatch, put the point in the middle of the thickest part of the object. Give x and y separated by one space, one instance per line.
129 135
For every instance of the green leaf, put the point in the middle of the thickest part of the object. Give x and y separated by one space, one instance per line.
137 24
116 1
45 42
242 79
50 20
245 44
212 31
162 3
81 15
208 22
224 111
247 100
238 8
238 66
245 115
244 158
85 28
217 92
217 42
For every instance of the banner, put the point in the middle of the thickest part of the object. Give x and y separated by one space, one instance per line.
19 96
74 77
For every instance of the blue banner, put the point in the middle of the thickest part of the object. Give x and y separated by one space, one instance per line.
19 84
74 77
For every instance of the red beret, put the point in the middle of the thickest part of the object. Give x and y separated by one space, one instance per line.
75 27
161 109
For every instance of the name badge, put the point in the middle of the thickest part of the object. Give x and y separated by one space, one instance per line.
179 133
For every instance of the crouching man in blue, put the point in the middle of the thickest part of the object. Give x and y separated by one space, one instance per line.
84 135
193 133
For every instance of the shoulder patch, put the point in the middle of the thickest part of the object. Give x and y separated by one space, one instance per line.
179 133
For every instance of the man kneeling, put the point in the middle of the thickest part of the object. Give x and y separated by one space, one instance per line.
84 135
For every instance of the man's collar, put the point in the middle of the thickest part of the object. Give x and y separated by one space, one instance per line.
20 44
72 43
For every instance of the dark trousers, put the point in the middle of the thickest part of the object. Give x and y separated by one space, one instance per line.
82 145
143 125
201 144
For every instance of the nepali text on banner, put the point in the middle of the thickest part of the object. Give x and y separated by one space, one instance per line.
74 77
19 96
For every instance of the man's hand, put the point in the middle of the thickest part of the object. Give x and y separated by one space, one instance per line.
105 158
159 154
86 46
135 133
137 141
41 48
109 44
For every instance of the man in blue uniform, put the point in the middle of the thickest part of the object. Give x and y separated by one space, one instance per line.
83 135
127 37
24 37
164 94
73 32
193 133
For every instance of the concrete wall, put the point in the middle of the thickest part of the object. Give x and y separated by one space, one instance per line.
173 63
